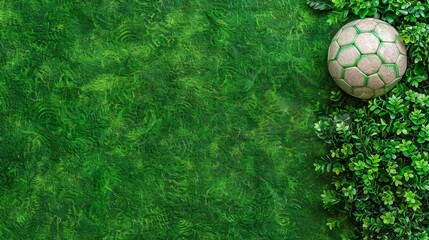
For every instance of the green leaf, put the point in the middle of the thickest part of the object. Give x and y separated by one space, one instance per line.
363 12
419 69
333 223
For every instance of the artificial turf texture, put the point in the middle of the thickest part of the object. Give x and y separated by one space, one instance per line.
161 119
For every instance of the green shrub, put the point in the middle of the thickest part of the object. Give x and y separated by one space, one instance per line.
379 149
380 162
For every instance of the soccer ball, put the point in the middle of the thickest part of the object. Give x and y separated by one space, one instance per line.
367 58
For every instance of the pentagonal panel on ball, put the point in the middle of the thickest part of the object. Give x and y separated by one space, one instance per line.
337 34
392 84
366 25
347 36
369 64
367 43
385 32
401 46
354 77
388 52
335 69
368 94
402 64
363 92
388 73
352 23
333 50
375 82
344 85
348 56
380 91
377 20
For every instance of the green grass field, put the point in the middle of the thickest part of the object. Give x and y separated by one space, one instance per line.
161 119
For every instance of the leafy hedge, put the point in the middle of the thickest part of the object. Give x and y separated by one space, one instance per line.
379 149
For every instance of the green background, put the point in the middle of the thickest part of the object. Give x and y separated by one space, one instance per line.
161 119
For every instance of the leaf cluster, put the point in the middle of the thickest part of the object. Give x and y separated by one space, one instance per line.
380 160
